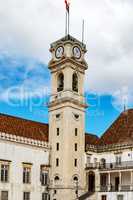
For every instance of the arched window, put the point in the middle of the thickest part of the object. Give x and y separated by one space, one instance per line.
60 82
75 82
56 178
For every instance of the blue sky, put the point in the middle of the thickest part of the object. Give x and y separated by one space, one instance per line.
26 30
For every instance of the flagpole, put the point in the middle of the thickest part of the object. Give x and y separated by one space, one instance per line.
66 24
83 27
67 17
69 20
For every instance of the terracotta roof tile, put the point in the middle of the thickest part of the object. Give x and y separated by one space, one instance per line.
121 131
23 127
91 139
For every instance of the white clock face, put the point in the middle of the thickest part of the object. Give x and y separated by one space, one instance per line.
76 52
59 52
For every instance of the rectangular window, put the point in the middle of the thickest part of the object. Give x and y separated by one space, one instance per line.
45 196
4 195
4 172
118 160
88 160
76 146
76 131
103 197
75 162
95 162
58 131
57 162
44 176
57 146
26 196
120 197
27 175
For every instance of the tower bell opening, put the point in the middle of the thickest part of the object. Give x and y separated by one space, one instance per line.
60 82
75 82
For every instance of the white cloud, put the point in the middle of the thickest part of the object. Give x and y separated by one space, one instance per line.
22 79
28 27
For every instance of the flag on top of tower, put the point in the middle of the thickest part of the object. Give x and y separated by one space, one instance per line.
67 5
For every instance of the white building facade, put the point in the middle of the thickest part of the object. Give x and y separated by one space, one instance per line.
24 165
109 164
110 172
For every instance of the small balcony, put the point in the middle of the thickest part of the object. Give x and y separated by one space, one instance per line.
65 94
104 188
114 188
116 166
92 165
110 166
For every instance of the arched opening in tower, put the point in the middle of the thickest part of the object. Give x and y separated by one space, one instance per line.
60 82
75 82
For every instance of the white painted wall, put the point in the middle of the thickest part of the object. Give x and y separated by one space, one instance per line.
126 155
110 157
18 153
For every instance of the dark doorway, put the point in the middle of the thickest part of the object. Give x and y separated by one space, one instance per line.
91 182
117 181
104 197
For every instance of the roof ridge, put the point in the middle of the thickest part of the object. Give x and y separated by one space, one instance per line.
91 134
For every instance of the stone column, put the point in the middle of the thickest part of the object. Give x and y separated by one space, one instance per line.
97 183
109 181
131 187
120 180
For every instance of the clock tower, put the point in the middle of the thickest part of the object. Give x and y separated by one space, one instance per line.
67 118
